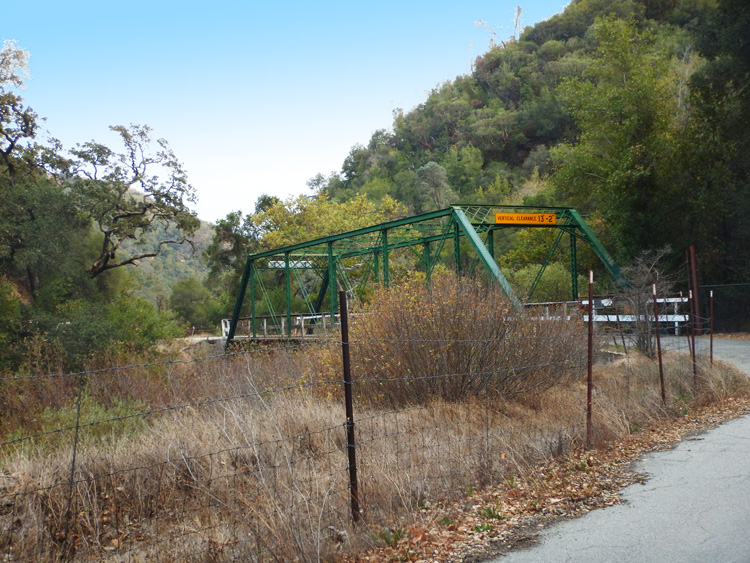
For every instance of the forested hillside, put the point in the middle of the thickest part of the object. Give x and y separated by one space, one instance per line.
634 112
610 107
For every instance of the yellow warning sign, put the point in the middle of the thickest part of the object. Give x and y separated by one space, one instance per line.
525 219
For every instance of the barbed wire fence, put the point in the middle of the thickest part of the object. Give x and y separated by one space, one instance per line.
247 455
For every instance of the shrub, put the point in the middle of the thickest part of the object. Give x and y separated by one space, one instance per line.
92 329
10 322
459 339
96 422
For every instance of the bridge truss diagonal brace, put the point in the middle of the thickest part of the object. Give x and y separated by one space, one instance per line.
584 232
246 275
484 255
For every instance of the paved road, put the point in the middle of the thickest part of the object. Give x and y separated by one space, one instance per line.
735 352
695 507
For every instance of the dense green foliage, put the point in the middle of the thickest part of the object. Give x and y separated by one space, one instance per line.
70 221
590 108
193 302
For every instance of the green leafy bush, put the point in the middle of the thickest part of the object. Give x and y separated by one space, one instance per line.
94 329
97 421
10 321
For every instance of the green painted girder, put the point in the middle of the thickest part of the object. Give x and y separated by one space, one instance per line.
484 255
354 252
568 219
587 235
352 234
394 246
240 298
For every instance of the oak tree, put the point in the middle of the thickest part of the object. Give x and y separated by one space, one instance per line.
127 194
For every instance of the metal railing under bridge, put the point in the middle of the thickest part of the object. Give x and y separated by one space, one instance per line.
607 311
271 327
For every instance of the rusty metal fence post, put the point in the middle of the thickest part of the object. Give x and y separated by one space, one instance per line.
590 377
694 301
658 347
348 399
711 325
691 338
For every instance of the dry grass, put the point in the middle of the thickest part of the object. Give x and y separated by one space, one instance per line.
244 457
261 475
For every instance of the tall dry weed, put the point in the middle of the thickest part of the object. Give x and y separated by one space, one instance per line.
457 339
250 475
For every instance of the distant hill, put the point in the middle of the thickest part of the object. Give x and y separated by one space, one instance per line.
156 276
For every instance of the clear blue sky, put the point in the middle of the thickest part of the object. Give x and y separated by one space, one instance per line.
254 97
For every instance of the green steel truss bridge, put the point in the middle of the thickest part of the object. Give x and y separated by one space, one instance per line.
312 272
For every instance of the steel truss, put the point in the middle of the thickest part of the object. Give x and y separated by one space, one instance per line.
370 253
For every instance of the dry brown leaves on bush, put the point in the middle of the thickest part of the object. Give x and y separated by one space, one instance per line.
455 340
509 515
